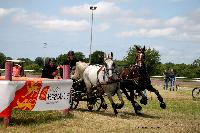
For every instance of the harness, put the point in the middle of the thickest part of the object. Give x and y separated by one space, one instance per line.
102 68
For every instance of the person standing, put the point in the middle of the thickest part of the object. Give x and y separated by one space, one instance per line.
71 61
16 71
172 78
166 79
50 70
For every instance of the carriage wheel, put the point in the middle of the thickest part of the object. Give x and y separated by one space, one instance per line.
73 100
74 104
97 103
195 93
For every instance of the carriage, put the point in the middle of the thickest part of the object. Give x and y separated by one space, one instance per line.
78 94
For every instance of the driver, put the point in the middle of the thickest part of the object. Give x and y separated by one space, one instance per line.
71 60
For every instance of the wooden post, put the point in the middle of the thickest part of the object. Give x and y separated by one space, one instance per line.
8 76
66 72
8 71
66 75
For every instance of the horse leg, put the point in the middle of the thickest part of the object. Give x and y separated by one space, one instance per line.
144 98
130 97
112 103
162 103
104 105
119 94
100 94
89 101
123 87
89 95
136 106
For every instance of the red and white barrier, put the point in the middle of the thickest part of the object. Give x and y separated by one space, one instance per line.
33 94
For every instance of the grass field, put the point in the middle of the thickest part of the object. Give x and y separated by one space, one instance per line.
182 115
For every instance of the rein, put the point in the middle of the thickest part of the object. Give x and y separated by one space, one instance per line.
100 70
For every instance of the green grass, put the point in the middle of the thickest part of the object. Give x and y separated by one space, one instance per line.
182 115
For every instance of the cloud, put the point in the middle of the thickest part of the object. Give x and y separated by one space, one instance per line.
196 13
142 22
178 0
176 21
45 23
151 33
62 25
80 11
117 1
5 12
104 10
180 28
102 27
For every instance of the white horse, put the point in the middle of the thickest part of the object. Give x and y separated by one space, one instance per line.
80 68
100 77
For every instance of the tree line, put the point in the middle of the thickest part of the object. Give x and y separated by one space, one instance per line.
152 61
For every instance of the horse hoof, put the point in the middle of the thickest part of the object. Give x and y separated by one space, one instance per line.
138 107
143 101
116 112
137 112
104 106
90 107
163 105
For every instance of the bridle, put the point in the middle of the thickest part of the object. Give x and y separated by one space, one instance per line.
108 69
140 57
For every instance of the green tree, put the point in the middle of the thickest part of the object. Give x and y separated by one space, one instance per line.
97 57
196 68
120 64
8 58
196 62
2 60
80 56
39 61
152 59
61 58
27 61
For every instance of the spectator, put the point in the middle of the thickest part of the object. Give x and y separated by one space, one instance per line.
16 72
71 61
172 78
166 79
50 70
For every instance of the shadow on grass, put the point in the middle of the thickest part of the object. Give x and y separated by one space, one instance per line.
101 112
196 99
28 118
140 115
123 115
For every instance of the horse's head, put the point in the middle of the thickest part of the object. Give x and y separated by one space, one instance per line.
110 66
140 56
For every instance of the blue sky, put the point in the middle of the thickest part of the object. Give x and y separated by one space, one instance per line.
171 27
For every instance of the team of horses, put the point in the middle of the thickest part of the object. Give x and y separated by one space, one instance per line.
106 80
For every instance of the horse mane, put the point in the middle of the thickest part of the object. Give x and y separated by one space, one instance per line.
80 67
